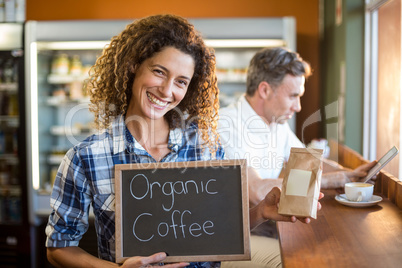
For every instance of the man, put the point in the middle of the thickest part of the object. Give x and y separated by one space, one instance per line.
256 128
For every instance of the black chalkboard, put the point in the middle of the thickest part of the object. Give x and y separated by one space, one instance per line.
194 211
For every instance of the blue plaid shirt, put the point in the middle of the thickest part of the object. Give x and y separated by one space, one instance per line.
86 177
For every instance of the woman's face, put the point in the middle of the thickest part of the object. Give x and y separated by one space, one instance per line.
160 83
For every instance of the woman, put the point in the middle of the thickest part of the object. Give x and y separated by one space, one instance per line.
155 97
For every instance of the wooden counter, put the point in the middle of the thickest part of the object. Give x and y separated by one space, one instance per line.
344 236
386 184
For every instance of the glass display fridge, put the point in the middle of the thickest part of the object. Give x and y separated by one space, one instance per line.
14 225
58 55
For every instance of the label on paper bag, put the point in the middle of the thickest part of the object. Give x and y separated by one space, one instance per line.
298 182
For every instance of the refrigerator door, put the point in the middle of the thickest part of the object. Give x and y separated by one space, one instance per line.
60 52
12 177
14 227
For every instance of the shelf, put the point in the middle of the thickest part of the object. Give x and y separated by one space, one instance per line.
14 190
55 159
11 120
65 79
231 81
231 78
62 100
10 158
63 131
10 87
44 193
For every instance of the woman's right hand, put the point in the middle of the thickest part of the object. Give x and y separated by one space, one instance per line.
154 260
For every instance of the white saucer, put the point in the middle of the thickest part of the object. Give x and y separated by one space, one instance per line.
344 201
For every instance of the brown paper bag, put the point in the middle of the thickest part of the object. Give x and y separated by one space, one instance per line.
301 184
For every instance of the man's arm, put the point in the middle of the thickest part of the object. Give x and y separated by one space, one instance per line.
338 178
330 166
258 188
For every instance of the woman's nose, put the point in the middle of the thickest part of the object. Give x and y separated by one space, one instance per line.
166 88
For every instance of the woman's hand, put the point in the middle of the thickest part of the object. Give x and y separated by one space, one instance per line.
154 260
268 210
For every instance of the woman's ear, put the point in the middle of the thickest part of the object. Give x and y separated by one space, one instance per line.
265 90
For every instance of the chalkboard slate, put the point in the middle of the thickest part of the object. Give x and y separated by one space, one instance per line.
194 211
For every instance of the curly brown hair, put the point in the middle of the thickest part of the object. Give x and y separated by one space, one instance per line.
113 74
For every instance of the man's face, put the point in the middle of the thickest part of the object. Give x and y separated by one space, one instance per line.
284 101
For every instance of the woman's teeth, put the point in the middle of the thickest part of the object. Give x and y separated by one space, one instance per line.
156 101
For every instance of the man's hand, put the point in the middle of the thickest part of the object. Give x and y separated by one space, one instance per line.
359 173
268 210
337 179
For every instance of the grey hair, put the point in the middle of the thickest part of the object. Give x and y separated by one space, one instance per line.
272 65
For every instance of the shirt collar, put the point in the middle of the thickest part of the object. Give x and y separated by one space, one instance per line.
252 119
247 111
120 142
118 127
175 139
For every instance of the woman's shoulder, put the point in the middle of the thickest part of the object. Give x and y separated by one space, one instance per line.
95 142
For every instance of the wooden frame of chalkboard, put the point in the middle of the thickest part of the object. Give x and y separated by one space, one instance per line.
193 211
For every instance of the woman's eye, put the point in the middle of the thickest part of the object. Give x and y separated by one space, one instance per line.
182 82
157 71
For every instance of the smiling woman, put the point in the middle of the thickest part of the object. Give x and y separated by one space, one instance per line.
155 98
145 49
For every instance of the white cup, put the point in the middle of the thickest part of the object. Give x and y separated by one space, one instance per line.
359 191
